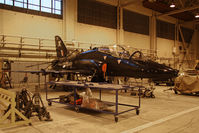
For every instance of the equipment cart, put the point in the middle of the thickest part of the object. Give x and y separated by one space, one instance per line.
100 86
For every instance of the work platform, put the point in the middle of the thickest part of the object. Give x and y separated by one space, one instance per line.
99 86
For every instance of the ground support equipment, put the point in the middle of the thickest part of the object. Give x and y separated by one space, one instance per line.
100 86
7 100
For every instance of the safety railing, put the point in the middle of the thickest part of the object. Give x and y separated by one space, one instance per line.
28 47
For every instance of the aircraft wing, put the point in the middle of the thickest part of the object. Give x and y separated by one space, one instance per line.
45 72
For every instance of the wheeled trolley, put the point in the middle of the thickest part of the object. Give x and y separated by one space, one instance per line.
100 86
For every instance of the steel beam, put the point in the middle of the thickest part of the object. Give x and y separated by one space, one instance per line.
179 11
128 3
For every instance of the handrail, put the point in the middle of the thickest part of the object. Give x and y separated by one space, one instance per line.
35 38
18 46
23 43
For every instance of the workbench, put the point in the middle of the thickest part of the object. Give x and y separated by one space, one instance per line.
100 86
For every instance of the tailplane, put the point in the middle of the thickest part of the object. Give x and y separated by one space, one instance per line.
60 47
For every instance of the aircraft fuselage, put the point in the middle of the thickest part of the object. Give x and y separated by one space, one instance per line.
137 68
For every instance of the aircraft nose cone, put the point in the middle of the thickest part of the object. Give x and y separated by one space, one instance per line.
170 72
173 72
176 72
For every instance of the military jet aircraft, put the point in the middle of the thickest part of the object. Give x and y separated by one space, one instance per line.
110 61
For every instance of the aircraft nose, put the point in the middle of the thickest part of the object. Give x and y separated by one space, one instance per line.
173 72
176 72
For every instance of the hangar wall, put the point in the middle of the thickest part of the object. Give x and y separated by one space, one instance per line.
133 39
136 40
95 34
21 24
1 22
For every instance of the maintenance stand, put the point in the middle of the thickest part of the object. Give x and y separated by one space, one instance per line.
99 86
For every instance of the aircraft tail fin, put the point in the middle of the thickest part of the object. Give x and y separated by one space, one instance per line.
60 47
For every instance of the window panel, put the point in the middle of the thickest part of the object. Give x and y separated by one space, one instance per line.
33 4
58 12
19 3
165 30
49 8
134 22
25 5
46 6
33 7
187 34
2 1
97 13
57 7
9 2
46 9
46 3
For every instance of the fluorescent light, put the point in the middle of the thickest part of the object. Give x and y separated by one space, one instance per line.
197 15
172 5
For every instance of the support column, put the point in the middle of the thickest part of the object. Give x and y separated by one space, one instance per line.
153 38
64 20
118 23
196 42
174 51
119 31
121 27
69 19
1 22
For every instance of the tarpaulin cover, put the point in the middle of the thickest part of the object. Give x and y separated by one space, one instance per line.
187 84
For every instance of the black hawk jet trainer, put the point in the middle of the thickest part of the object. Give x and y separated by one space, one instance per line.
110 61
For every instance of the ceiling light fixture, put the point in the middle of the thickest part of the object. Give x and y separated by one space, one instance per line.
172 5
197 15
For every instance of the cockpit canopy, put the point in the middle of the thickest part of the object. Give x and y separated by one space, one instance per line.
115 50
121 52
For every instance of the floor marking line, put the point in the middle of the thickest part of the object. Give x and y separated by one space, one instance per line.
136 129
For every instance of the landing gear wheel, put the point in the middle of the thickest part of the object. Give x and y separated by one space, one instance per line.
49 103
116 119
147 93
175 91
137 111
152 96
77 109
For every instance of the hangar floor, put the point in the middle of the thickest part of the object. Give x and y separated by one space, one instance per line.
166 113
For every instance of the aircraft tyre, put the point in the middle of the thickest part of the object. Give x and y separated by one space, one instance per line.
137 111
116 119
77 109
49 103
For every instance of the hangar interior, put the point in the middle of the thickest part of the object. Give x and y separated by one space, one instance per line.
162 33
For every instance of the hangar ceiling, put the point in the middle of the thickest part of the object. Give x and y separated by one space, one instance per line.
183 10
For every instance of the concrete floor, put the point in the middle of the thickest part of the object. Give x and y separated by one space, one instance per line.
167 113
